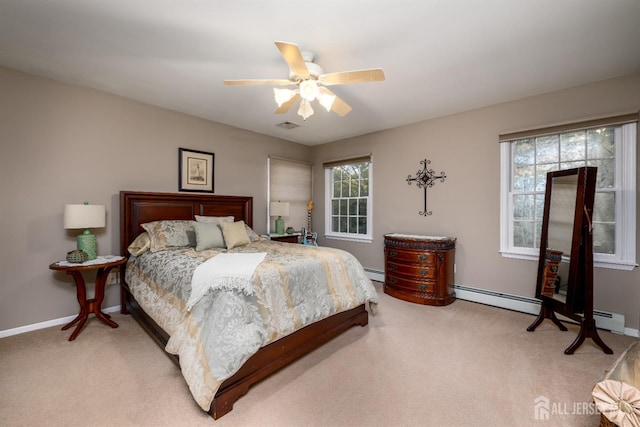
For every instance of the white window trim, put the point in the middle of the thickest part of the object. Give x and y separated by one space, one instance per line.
362 238
625 258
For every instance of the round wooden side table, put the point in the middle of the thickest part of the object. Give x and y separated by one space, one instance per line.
104 266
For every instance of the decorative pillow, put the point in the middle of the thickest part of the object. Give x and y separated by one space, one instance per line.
253 236
170 234
140 244
235 234
208 236
214 219
618 401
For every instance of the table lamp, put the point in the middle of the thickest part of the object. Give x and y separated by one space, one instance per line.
85 216
279 209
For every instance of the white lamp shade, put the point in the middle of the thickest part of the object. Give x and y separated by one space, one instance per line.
84 216
283 95
326 100
279 209
305 110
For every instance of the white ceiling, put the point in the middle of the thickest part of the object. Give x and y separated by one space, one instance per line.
439 56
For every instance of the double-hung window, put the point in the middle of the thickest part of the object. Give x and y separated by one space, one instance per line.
348 199
526 157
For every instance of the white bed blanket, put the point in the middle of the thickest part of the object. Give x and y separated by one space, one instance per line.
224 271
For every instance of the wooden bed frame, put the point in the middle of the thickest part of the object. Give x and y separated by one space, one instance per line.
137 208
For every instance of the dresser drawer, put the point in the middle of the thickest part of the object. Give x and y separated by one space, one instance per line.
416 271
411 256
400 282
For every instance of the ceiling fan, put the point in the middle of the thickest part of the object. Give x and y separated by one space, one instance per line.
311 83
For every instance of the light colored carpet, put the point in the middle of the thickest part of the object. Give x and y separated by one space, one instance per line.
465 364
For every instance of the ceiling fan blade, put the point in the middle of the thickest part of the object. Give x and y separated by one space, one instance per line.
339 107
294 59
251 82
285 106
357 76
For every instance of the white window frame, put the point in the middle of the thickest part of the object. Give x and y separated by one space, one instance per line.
625 252
328 193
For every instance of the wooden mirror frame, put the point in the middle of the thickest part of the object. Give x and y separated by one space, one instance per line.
578 304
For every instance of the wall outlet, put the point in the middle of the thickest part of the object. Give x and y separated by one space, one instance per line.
113 278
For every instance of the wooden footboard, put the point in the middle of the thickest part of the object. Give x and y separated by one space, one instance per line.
268 359
281 353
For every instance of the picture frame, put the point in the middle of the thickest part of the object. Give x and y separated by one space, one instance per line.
195 170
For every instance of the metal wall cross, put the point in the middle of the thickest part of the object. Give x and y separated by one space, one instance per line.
425 178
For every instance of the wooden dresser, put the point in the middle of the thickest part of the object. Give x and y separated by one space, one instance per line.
419 268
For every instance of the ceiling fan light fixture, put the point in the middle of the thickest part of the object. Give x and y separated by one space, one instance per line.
309 90
326 100
283 95
310 83
305 110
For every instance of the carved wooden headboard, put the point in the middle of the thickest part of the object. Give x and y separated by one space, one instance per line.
137 208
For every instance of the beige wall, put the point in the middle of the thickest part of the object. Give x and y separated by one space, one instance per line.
66 144
467 205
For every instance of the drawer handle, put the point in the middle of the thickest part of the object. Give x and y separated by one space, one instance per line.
393 254
392 280
423 288
423 257
393 267
423 272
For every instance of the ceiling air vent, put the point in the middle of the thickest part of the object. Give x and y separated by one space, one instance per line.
287 125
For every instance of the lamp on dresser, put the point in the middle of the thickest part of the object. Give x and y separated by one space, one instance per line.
85 216
279 209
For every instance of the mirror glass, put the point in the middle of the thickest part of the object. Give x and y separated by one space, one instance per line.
562 264
562 205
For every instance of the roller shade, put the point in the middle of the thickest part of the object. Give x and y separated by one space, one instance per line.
586 124
290 181
365 158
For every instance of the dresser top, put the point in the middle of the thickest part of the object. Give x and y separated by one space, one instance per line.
419 242
418 237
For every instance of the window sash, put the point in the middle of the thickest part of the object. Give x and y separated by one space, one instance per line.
349 201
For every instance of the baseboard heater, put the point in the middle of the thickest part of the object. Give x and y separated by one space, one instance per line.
613 322
376 275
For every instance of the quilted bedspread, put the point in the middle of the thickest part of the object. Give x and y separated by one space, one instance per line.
294 286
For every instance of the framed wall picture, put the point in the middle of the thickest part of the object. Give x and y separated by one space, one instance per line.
195 170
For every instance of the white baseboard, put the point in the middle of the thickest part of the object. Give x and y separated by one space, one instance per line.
632 332
613 322
48 323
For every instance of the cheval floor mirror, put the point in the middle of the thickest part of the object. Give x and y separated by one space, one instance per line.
565 267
